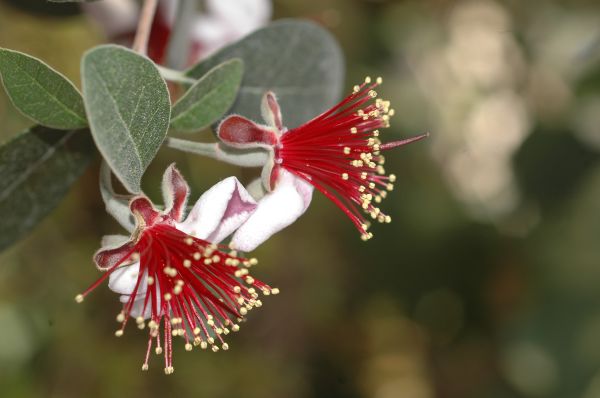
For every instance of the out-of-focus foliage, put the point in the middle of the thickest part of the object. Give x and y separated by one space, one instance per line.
485 284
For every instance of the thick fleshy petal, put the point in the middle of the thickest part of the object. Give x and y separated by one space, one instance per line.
278 209
141 205
219 211
239 132
110 256
175 192
124 279
138 306
271 112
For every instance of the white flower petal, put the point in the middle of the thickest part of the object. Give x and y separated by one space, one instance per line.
123 279
278 209
219 211
138 306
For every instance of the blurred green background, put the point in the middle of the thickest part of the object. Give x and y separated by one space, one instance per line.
486 284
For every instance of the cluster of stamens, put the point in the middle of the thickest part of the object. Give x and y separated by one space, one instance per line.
194 288
339 152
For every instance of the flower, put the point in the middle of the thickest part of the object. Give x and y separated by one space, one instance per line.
337 152
172 271
221 22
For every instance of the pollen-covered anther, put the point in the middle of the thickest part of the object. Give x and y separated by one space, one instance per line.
353 130
188 347
392 177
79 298
345 176
119 333
150 280
121 317
347 150
197 256
189 241
187 263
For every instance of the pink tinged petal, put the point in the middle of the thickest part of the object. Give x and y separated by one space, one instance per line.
115 17
112 256
142 207
275 211
271 112
219 211
175 192
123 280
239 132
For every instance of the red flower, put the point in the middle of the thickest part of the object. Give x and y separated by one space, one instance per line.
339 152
190 286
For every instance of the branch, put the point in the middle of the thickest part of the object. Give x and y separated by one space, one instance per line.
142 35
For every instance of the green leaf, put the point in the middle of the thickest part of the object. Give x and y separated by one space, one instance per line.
298 60
40 92
209 98
128 108
37 168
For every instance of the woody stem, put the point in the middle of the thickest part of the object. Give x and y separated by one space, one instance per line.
142 34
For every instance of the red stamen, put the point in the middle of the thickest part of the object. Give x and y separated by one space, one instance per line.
339 153
192 286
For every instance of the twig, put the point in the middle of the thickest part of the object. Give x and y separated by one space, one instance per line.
142 35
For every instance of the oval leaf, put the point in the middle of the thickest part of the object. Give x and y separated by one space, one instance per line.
37 168
128 107
209 98
298 60
41 93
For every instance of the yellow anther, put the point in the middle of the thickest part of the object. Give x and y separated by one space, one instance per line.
168 296
388 219
356 89
253 261
203 345
189 241
187 263
215 348
197 256
353 130
344 176
379 80
389 187
158 350
392 177
347 150
368 79
225 346
79 298
120 317
235 328
139 320
275 291
363 175
119 333
243 311
145 367
372 93
150 280
188 347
